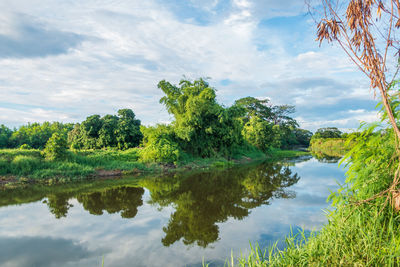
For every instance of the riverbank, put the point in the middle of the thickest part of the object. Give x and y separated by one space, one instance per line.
364 221
331 147
27 166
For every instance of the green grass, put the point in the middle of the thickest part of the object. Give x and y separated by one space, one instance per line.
332 147
78 165
353 237
279 154
30 163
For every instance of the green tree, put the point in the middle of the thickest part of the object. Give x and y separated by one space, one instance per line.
204 127
5 134
128 132
56 147
329 132
303 137
259 133
160 144
107 133
255 107
36 135
90 131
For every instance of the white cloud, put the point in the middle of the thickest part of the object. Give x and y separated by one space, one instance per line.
130 45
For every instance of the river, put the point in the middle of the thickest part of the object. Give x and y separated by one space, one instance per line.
169 220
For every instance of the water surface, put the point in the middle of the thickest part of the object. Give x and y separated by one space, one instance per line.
173 220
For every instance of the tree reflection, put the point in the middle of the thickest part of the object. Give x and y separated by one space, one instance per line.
58 205
327 158
123 199
203 200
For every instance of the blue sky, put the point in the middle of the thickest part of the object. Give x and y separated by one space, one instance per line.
66 60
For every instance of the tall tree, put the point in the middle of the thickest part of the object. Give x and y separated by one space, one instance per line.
204 126
128 132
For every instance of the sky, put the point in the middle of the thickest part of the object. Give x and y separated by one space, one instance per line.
66 60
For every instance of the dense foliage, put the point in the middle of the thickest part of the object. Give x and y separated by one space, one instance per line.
33 135
122 131
56 147
202 127
329 132
267 126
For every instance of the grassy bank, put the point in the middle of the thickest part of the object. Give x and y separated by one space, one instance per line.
331 147
363 227
19 165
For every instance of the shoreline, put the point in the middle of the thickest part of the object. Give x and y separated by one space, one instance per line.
11 181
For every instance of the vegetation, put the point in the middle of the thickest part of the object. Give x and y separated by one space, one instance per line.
122 132
202 129
363 228
329 142
331 147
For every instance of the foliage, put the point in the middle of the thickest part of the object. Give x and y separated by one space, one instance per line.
203 127
160 144
359 232
5 134
122 131
259 133
56 147
303 137
266 125
36 135
24 165
331 147
25 146
329 132
128 130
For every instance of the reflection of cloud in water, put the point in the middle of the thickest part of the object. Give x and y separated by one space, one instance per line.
136 241
40 251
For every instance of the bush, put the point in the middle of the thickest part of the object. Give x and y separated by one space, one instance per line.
25 146
160 145
56 147
24 165
4 166
163 150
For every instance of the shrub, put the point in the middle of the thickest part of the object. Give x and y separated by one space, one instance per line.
160 144
163 150
4 166
24 165
56 147
25 146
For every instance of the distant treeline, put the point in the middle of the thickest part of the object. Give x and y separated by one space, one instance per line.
201 127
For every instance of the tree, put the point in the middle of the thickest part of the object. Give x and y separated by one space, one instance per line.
128 132
303 136
56 147
90 131
5 134
259 133
122 131
255 107
107 132
36 135
203 127
329 132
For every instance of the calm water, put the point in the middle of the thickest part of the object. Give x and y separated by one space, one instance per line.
164 221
